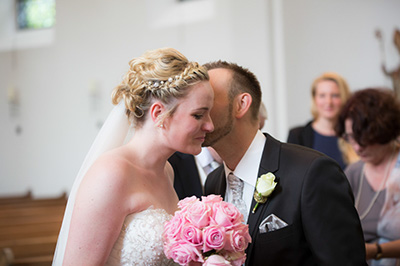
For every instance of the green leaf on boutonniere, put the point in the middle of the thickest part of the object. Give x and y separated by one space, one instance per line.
264 187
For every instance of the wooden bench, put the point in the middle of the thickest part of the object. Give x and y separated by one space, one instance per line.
18 198
29 229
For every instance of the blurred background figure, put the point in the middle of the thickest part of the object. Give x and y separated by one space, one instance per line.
370 122
329 92
263 115
190 172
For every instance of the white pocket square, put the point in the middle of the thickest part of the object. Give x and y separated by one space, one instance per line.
271 223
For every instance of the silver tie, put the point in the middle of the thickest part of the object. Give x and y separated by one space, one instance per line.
211 167
236 185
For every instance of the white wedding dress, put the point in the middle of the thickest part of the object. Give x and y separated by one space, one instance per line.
140 241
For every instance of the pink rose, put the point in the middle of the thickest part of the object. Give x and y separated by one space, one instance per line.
237 240
213 237
211 199
199 214
203 226
216 260
226 214
172 228
182 204
244 228
183 253
192 235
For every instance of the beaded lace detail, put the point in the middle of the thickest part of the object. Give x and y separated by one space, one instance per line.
140 241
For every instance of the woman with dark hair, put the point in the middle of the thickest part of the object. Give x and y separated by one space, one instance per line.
370 122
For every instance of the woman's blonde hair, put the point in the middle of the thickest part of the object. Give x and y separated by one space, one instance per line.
163 74
341 83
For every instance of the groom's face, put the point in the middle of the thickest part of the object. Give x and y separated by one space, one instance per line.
221 113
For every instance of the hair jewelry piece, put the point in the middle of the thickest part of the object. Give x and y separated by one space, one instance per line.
153 84
159 83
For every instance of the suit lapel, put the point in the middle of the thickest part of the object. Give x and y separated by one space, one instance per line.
216 182
269 163
221 186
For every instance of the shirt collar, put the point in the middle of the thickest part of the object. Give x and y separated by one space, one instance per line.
204 157
247 168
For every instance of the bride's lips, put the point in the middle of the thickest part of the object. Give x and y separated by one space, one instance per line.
202 138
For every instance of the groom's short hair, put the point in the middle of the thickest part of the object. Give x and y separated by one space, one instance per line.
243 80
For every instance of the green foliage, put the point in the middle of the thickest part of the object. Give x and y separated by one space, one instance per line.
36 14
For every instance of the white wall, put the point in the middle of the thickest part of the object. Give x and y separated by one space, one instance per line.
285 43
94 40
337 36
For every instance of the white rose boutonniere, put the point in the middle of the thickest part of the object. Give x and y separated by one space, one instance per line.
264 187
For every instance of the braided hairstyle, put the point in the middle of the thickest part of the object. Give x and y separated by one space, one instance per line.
162 74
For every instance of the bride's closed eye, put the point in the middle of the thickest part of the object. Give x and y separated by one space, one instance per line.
198 116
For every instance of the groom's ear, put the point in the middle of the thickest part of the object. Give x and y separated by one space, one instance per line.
156 111
242 104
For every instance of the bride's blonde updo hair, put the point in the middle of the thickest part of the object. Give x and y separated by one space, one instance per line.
163 74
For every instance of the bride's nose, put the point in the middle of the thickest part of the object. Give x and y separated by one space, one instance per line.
208 125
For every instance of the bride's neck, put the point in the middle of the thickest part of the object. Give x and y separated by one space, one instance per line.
147 149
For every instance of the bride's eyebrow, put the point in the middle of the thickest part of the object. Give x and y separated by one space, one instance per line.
201 109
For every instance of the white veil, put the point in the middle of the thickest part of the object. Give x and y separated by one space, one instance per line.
115 132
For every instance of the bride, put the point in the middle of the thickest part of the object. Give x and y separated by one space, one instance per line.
124 191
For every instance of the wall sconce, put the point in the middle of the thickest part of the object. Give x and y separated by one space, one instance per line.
95 95
95 101
13 101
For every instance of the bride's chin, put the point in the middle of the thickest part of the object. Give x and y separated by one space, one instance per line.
193 150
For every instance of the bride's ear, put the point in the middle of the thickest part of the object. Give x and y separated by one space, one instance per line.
156 111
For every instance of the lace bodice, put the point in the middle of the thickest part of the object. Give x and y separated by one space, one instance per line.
140 241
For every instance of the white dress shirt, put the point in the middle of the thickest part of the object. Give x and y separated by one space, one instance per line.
203 161
247 170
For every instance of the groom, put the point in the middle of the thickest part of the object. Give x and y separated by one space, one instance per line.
309 219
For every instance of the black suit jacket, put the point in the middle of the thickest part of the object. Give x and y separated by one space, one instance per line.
303 135
314 198
187 179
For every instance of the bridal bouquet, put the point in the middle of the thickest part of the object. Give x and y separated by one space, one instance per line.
210 231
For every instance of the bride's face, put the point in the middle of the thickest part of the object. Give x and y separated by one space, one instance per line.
188 126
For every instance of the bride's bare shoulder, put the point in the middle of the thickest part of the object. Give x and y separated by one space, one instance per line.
111 180
113 166
118 157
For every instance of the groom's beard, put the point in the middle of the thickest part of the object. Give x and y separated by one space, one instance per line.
220 131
